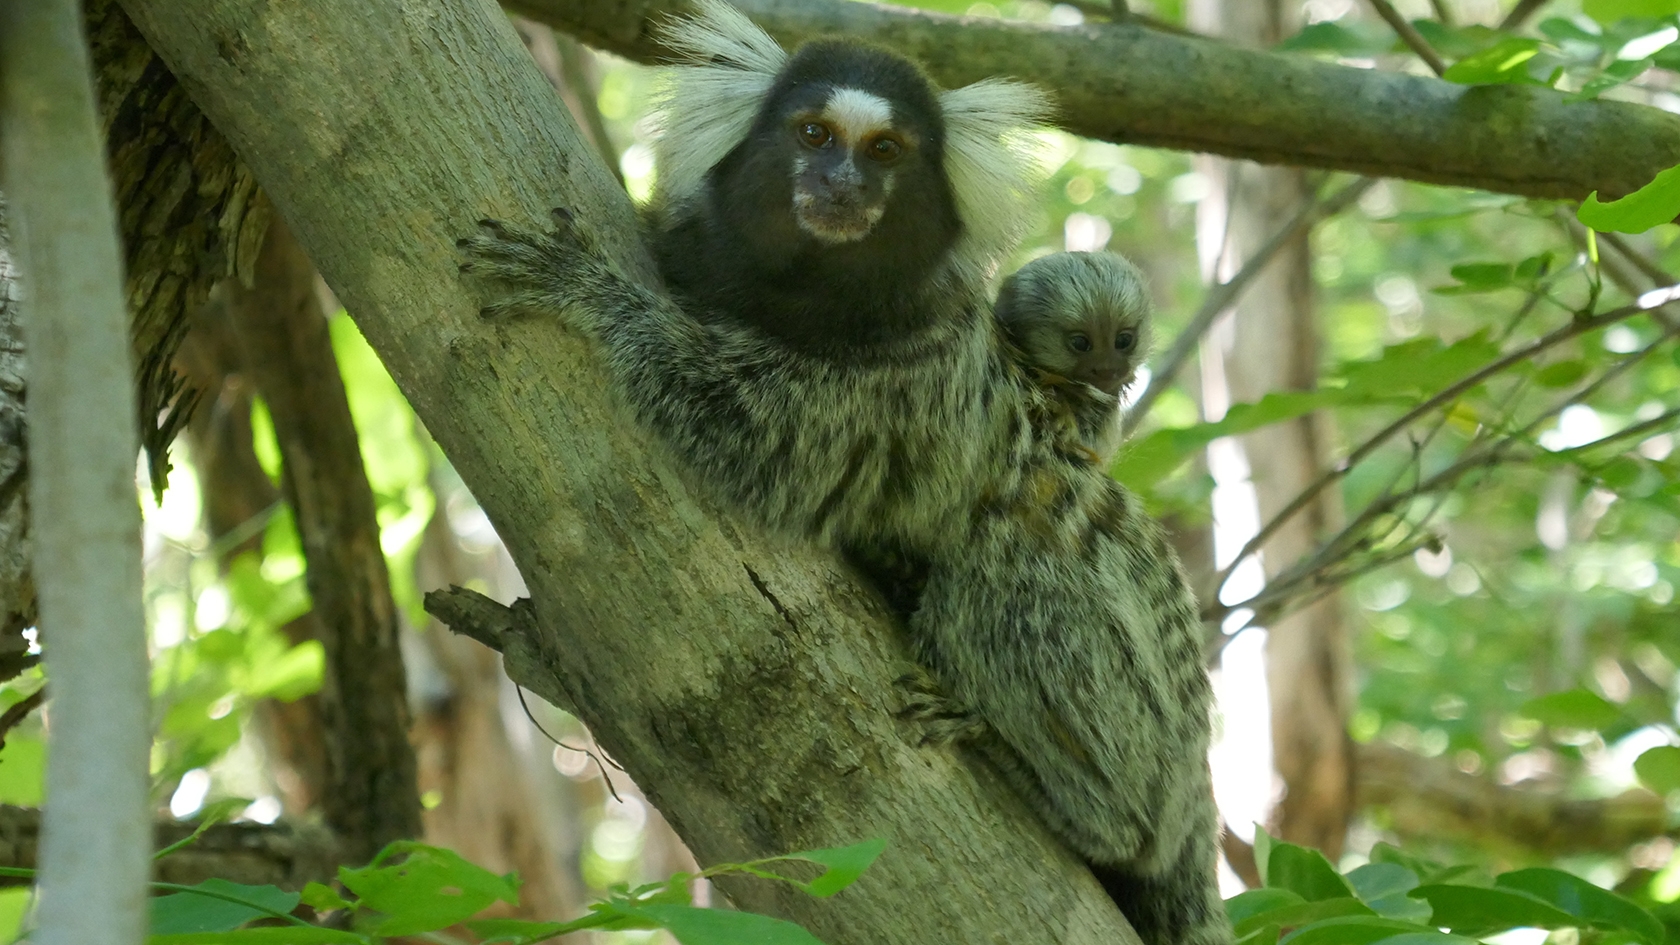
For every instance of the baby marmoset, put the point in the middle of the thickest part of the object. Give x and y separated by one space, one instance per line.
828 363
1082 323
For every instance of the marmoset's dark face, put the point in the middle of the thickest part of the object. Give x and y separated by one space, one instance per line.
846 153
1083 316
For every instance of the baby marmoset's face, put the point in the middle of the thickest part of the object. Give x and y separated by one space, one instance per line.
1082 316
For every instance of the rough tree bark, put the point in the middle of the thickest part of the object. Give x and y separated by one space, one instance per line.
369 797
189 215
745 684
1126 83
1275 347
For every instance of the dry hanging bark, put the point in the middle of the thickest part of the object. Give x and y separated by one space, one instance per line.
745 684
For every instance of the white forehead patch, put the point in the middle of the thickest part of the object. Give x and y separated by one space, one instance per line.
854 114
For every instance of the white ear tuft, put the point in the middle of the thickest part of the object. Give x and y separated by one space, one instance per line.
989 145
725 66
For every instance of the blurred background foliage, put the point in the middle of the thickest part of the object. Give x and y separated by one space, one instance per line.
1528 636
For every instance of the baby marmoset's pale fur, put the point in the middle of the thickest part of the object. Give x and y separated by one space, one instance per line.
1082 323
828 362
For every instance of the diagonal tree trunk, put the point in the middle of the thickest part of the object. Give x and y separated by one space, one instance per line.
745 685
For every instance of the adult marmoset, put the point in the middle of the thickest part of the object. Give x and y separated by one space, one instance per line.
828 363
1082 322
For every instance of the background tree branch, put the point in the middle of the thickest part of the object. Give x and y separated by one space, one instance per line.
744 684
1126 83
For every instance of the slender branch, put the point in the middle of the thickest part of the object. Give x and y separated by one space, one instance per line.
1311 569
1575 328
1442 12
1222 296
1410 36
81 410
1124 83
1520 13
1657 274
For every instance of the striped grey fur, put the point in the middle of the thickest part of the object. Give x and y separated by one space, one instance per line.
1061 636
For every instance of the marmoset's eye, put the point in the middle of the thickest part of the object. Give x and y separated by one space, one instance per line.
1079 343
885 149
1124 341
815 134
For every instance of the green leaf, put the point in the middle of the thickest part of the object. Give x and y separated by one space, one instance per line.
1561 374
1574 708
1381 880
1305 913
1483 277
1385 885
22 765
842 866
1306 872
1348 930
1474 910
1620 72
293 672
1332 37
194 912
269 935
323 898
430 889
1621 473
1402 907
1427 938
1589 904
1265 935
1500 64
1654 204
695 926
489 931
1659 769
1246 905
1609 11
1262 852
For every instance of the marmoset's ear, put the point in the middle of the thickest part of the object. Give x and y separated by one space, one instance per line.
725 65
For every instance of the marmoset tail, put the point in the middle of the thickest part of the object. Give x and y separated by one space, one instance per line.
828 363
1082 323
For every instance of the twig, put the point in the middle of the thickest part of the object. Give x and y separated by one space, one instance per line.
1410 36
1657 274
16 713
1223 295
1520 13
1442 12
1313 569
1575 328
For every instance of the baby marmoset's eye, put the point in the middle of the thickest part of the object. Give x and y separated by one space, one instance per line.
1124 340
1079 342
815 134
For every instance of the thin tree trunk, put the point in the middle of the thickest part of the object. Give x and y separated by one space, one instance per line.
370 797
96 841
746 685
238 496
1275 347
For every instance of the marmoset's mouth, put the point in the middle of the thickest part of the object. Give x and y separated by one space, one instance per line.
835 220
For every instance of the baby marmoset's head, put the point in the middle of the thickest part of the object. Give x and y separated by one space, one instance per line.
1083 317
